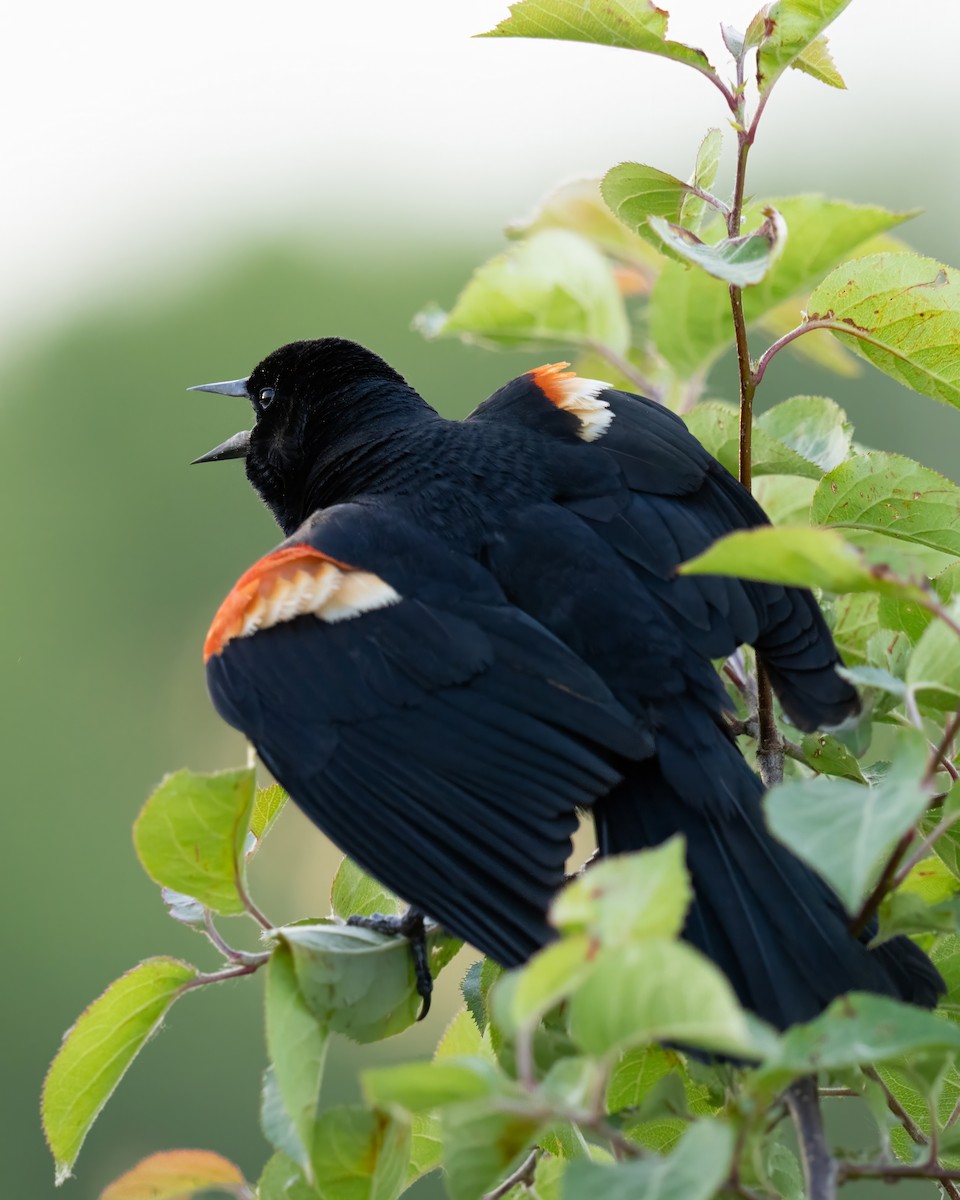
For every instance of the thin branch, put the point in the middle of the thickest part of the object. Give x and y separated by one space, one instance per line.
924 848
883 885
808 327
940 755
231 953
913 1130
624 366
893 1171
820 1168
522 1176
229 973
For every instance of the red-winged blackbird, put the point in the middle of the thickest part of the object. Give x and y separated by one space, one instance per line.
474 629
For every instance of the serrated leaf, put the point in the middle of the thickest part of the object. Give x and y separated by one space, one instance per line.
690 310
857 1029
267 806
814 427
360 1155
693 207
462 1039
99 1048
903 313
696 1170
830 757
791 27
785 498
554 287
549 977
190 835
176 1175
904 912
846 831
655 991
915 1097
799 557
635 192
630 24
358 982
717 427
891 495
481 1146
420 1087
853 621
817 61
297 1045
625 897
934 667
741 261
355 893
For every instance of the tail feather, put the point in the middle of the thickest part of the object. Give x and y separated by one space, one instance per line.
769 922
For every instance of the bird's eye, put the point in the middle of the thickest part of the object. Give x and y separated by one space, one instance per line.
266 397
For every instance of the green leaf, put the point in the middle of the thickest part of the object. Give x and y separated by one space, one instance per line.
579 207
635 192
99 1048
549 977
426 1146
696 1170
297 1045
281 1180
354 893
184 909
462 1039
791 27
846 831
814 427
742 261
856 1030
267 806
894 496
717 427
816 60
692 207
355 981
360 1155
915 1095
690 310
481 1146
631 24
419 1087
555 287
934 667
799 557
190 835
277 1124
785 498
656 991
476 986
905 912
652 1096
830 757
176 1175
626 897
903 313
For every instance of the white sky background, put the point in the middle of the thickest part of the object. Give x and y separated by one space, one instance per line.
136 138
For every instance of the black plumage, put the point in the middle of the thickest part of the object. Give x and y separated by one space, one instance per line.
476 628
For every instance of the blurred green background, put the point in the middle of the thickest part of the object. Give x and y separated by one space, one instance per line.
116 554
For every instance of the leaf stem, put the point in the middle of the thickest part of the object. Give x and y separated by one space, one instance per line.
625 367
522 1176
883 885
235 972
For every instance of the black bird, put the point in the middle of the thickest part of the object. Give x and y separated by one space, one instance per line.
474 629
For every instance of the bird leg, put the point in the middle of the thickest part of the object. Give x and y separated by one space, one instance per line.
409 925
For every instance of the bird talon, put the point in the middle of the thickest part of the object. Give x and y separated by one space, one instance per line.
408 925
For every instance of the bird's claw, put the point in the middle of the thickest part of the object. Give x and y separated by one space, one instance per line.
409 925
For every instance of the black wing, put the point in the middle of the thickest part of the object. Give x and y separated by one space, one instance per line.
440 737
630 469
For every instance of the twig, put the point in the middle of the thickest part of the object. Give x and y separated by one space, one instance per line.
940 756
236 972
912 1129
833 1092
521 1177
820 1168
625 367
891 1171
883 885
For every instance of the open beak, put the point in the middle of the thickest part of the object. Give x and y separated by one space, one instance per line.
237 446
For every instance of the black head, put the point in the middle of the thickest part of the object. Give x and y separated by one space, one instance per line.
309 398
